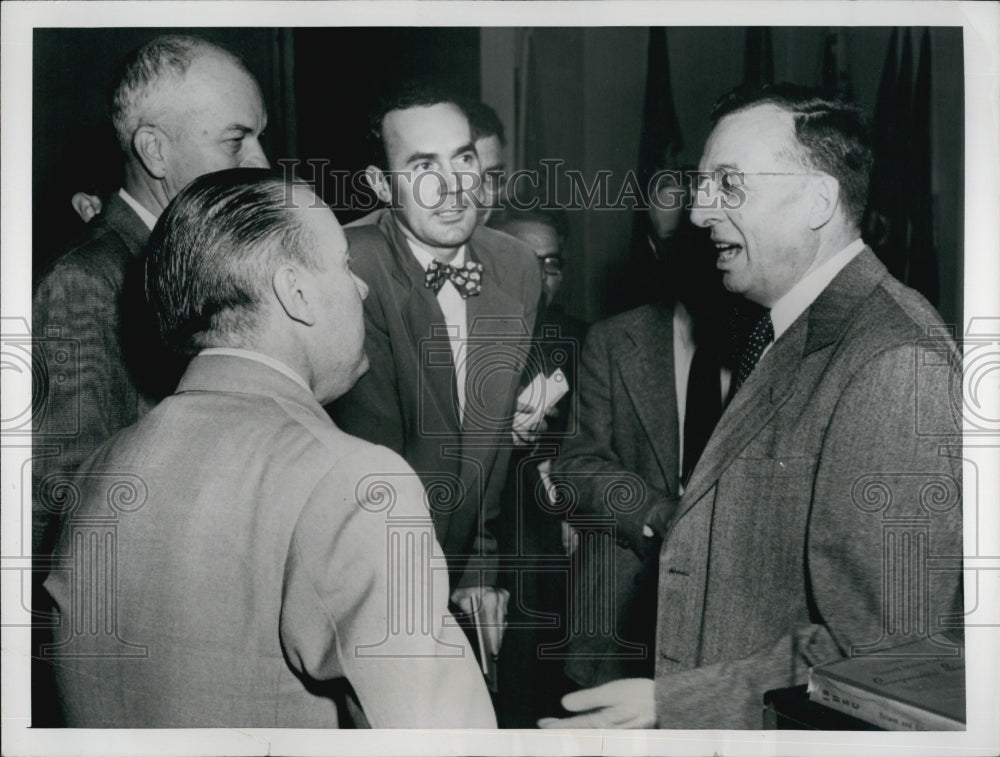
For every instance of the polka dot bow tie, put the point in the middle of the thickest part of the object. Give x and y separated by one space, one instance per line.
466 278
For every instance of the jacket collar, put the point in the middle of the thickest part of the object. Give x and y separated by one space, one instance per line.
119 217
238 375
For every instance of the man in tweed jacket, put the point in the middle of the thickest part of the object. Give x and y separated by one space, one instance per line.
182 107
841 444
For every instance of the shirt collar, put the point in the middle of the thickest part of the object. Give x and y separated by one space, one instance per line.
259 357
809 287
425 258
147 218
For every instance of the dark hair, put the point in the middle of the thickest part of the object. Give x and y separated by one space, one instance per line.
213 251
410 94
144 72
833 135
483 121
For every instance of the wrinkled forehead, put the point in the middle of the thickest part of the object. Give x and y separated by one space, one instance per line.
760 138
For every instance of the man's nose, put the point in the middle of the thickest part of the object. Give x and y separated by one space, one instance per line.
361 285
255 157
705 210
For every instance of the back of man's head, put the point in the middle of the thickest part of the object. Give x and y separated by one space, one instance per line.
832 136
415 93
212 254
147 70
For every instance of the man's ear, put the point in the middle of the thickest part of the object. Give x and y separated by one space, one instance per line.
292 292
379 183
149 144
825 199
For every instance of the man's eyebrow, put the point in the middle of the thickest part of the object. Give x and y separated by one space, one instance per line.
241 128
464 148
421 156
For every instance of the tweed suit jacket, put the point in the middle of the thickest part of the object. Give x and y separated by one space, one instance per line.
622 464
99 351
408 399
252 570
842 444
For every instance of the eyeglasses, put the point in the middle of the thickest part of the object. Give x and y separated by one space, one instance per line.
551 264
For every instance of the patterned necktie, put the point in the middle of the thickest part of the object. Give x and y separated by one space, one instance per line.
761 336
467 278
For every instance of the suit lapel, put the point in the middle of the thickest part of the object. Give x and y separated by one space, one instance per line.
771 383
498 341
425 327
648 377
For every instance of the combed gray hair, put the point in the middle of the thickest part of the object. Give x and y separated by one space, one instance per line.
213 251
165 59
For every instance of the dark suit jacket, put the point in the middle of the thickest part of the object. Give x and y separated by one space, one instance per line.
842 447
247 538
621 467
85 390
407 400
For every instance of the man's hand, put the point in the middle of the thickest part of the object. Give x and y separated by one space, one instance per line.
86 206
528 424
626 703
490 604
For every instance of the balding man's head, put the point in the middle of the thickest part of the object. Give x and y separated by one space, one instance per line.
183 107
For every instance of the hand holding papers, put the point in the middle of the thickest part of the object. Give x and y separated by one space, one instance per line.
536 401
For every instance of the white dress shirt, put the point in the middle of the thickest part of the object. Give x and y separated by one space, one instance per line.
455 316
795 302
147 218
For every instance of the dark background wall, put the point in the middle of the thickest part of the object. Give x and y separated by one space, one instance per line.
588 84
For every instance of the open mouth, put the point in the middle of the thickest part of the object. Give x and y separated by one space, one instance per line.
450 215
726 251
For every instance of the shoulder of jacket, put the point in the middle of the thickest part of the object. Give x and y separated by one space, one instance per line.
100 254
493 242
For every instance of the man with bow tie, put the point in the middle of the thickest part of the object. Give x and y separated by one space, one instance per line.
448 323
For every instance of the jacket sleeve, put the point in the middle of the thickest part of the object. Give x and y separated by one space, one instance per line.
365 597
590 470
877 473
83 388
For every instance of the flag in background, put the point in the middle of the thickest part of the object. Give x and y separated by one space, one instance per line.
758 57
899 222
922 272
661 139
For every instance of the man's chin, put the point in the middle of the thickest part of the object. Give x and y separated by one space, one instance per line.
453 234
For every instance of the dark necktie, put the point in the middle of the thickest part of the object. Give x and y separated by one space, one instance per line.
702 408
467 278
761 335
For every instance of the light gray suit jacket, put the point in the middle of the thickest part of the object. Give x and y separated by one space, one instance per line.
823 516
229 562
